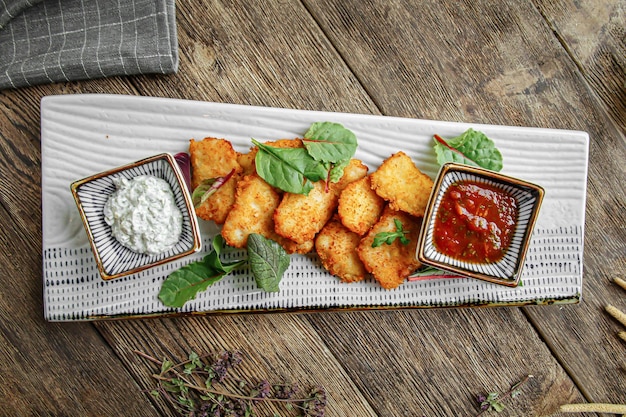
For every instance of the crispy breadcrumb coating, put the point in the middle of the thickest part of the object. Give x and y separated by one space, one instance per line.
391 264
299 217
213 158
253 212
402 184
359 206
336 247
355 170
255 203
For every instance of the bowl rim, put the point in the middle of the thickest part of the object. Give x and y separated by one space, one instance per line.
536 190
194 225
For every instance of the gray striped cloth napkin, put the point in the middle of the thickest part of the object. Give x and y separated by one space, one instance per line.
45 41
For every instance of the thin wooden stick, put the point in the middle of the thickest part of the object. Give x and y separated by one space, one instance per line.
622 335
620 282
594 408
616 313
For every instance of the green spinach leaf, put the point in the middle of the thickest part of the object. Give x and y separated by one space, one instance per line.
289 169
268 262
328 148
330 142
185 283
471 148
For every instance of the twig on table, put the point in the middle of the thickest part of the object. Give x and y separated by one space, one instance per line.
594 408
616 313
620 282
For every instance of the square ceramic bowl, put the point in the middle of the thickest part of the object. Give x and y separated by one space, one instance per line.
471 215
113 259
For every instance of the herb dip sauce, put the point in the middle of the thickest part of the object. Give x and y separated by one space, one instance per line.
475 222
143 214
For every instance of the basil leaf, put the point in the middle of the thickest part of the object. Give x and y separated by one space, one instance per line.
185 283
289 169
471 148
330 142
268 262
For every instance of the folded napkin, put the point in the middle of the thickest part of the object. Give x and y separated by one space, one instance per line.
44 41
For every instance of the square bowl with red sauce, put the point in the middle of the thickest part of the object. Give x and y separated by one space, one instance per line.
478 223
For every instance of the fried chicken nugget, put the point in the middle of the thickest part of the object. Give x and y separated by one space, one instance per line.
246 161
391 264
359 206
355 170
336 246
300 217
213 158
252 212
402 184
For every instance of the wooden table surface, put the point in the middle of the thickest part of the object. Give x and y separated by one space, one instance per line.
541 63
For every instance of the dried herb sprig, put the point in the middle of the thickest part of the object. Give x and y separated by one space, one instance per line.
494 401
200 387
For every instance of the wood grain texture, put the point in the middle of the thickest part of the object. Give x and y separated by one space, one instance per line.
436 363
594 34
47 369
277 347
515 73
524 63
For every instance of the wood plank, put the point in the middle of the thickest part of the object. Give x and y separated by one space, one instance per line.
593 34
281 348
437 363
244 58
47 368
515 73
257 53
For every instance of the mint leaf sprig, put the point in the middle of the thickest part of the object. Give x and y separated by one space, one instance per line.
390 237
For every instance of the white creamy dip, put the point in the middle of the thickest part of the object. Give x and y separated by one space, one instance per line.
143 214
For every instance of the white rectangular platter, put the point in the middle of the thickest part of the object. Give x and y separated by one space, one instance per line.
85 134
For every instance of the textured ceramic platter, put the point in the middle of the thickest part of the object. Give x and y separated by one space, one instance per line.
85 134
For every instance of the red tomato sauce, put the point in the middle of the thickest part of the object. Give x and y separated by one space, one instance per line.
475 222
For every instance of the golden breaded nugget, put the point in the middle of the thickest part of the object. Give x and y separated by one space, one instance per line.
252 212
355 170
213 158
402 184
219 204
299 217
336 247
391 264
292 247
359 206
246 161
